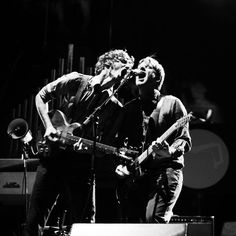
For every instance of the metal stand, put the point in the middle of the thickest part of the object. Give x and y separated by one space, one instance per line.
93 174
60 229
92 180
24 157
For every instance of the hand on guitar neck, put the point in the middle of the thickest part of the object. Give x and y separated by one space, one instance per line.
81 147
162 150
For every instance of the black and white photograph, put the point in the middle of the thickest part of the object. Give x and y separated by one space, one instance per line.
118 117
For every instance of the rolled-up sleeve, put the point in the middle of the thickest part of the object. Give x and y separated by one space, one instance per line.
62 86
182 140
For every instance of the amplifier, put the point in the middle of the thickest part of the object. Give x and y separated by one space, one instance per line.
196 225
12 186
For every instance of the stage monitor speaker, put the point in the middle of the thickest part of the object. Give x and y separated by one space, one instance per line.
117 229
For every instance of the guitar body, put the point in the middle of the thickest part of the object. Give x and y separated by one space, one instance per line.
67 138
60 123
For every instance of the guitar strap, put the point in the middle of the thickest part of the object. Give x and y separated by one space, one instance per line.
83 84
80 90
155 114
154 117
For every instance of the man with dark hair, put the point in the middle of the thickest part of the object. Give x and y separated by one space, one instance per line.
150 186
67 171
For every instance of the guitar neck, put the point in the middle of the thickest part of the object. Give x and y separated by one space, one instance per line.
161 139
168 132
71 139
144 155
66 137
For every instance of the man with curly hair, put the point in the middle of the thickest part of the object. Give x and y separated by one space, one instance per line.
67 172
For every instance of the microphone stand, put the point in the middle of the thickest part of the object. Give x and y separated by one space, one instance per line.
91 116
24 157
93 174
94 119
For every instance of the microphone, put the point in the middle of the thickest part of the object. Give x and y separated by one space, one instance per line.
138 72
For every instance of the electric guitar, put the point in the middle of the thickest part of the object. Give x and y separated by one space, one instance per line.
128 180
65 138
135 165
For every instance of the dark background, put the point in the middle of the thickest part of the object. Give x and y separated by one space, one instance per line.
194 40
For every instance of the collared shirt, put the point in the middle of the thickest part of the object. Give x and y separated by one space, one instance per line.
65 89
172 109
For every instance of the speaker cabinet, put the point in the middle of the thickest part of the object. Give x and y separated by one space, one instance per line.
197 229
14 182
196 225
12 187
99 229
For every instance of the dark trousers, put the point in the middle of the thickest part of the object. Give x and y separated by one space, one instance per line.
68 186
152 198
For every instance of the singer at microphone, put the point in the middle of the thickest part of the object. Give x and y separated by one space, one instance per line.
138 72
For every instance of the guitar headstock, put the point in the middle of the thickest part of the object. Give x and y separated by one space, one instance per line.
184 120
